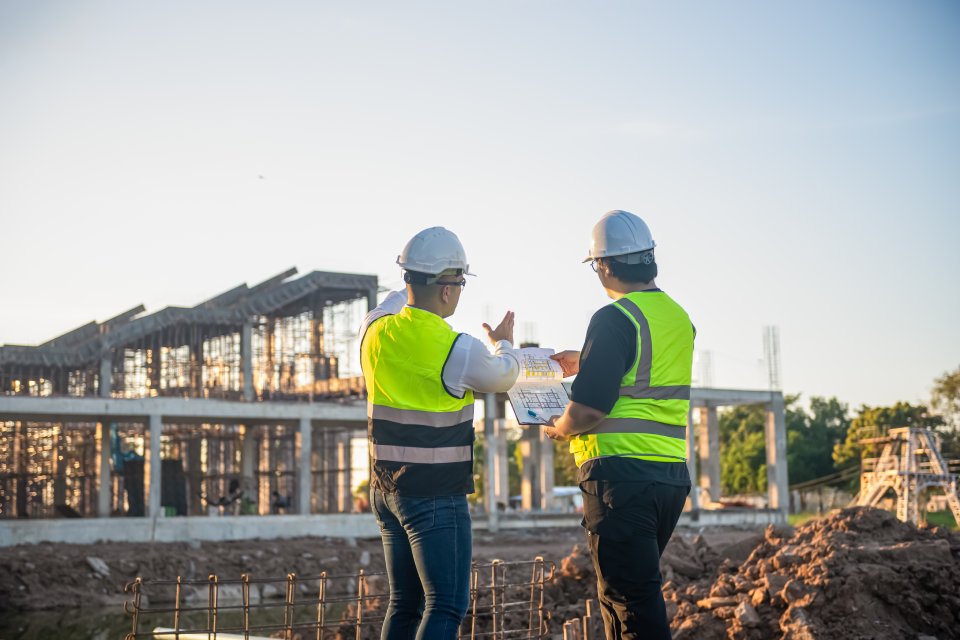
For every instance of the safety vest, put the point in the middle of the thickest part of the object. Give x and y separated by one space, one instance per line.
420 435
649 419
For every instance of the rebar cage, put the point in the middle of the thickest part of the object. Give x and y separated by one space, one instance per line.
506 601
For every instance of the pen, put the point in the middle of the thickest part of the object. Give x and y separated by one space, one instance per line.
532 413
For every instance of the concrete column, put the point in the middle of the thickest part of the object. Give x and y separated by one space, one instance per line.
246 359
152 466
104 482
530 490
501 473
59 470
329 465
546 471
490 462
106 374
344 498
248 455
692 463
776 445
19 444
304 468
708 449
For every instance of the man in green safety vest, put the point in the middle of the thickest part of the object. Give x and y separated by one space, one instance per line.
626 424
420 376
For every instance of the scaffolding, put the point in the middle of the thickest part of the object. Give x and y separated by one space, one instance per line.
52 470
506 601
910 463
283 339
47 470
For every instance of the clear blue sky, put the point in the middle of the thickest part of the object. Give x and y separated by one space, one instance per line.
797 163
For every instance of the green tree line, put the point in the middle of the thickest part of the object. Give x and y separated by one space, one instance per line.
826 437
822 438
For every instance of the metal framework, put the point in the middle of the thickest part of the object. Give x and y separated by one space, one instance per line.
909 463
506 601
281 339
50 470
287 338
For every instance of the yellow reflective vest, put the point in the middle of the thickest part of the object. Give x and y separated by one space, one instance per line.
649 419
420 434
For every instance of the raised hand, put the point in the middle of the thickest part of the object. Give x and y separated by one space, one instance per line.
504 330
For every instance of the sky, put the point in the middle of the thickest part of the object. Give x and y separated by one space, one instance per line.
797 164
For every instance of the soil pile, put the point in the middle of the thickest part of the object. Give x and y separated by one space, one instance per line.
856 574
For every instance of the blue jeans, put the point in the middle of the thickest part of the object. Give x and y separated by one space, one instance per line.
427 544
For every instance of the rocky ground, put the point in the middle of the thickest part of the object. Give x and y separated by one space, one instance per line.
858 573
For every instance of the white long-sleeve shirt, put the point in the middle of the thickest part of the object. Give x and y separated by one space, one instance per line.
470 365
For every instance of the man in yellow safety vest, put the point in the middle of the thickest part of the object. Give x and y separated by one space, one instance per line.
420 376
626 424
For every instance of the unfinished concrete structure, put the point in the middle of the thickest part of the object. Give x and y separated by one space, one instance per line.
703 455
240 406
233 406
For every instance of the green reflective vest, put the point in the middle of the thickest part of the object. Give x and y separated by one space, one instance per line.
420 435
649 419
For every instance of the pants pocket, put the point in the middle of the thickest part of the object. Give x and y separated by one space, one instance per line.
416 513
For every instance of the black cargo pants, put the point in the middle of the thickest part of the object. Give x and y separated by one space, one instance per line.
628 526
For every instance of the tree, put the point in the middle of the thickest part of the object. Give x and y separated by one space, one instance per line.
812 436
743 467
564 468
945 397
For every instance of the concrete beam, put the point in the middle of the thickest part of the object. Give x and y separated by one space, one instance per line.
179 410
702 396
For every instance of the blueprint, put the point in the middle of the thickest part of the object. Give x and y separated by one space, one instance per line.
538 393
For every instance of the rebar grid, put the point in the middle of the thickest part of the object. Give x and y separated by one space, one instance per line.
506 601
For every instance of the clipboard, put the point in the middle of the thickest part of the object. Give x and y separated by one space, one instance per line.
538 393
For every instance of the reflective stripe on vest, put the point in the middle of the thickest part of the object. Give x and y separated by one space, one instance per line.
420 435
648 420
425 418
420 455
641 388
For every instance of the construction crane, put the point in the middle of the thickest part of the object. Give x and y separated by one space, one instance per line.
909 463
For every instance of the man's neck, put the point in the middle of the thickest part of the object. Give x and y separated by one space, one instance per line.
617 288
430 306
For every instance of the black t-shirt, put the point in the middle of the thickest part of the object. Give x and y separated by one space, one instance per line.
608 353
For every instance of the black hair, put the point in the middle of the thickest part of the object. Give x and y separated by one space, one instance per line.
630 272
417 277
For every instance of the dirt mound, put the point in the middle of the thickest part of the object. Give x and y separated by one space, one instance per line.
858 573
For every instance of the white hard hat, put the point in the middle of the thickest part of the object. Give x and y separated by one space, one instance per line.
434 251
619 233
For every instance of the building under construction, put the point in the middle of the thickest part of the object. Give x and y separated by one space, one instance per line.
252 403
206 410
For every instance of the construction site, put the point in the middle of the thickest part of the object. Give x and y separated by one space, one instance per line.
200 472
